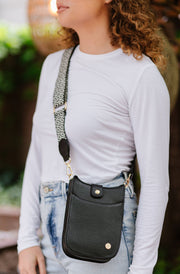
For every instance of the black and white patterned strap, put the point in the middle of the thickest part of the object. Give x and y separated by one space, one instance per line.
60 103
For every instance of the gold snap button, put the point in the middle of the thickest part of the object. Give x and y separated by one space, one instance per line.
108 246
97 191
46 189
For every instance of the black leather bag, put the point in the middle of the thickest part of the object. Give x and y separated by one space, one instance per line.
93 221
94 213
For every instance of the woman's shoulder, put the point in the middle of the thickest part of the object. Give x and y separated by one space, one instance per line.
141 76
137 64
53 58
128 70
55 55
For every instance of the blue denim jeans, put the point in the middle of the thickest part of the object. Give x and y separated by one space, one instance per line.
53 196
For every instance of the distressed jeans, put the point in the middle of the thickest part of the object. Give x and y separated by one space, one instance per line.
53 196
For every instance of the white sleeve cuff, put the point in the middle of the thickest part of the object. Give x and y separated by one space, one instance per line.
26 244
140 270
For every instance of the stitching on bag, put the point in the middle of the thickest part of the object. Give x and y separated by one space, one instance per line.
91 202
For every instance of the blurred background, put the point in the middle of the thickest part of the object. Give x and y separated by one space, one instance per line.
28 33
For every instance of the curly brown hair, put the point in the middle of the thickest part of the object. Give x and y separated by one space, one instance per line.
133 27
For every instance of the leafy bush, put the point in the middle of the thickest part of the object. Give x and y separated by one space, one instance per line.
20 66
12 38
10 188
165 265
20 63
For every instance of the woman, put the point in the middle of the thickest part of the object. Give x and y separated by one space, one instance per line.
118 106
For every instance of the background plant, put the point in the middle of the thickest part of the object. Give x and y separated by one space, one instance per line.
20 63
20 66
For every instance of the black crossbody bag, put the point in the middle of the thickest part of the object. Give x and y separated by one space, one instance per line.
94 213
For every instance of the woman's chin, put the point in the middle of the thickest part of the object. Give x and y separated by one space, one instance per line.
63 22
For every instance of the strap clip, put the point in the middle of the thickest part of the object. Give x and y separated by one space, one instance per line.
55 109
126 182
69 171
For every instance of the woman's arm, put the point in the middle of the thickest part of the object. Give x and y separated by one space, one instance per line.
149 107
30 212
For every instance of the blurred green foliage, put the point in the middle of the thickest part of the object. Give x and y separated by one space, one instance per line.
10 187
165 266
12 39
20 62
20 66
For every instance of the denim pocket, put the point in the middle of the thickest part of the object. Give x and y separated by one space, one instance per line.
52 189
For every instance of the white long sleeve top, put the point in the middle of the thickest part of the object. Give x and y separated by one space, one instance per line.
117 106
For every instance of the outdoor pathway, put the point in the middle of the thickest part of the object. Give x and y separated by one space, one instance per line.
9 222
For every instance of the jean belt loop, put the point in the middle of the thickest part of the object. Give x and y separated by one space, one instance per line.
63 188
125 174
131 188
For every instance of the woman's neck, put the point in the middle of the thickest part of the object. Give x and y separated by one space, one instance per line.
95 38
96 47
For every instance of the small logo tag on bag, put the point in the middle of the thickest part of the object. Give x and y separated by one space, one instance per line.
96 191
108 246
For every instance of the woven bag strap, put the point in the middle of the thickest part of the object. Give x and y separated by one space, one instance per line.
60 103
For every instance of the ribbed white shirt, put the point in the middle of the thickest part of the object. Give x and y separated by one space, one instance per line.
117 106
